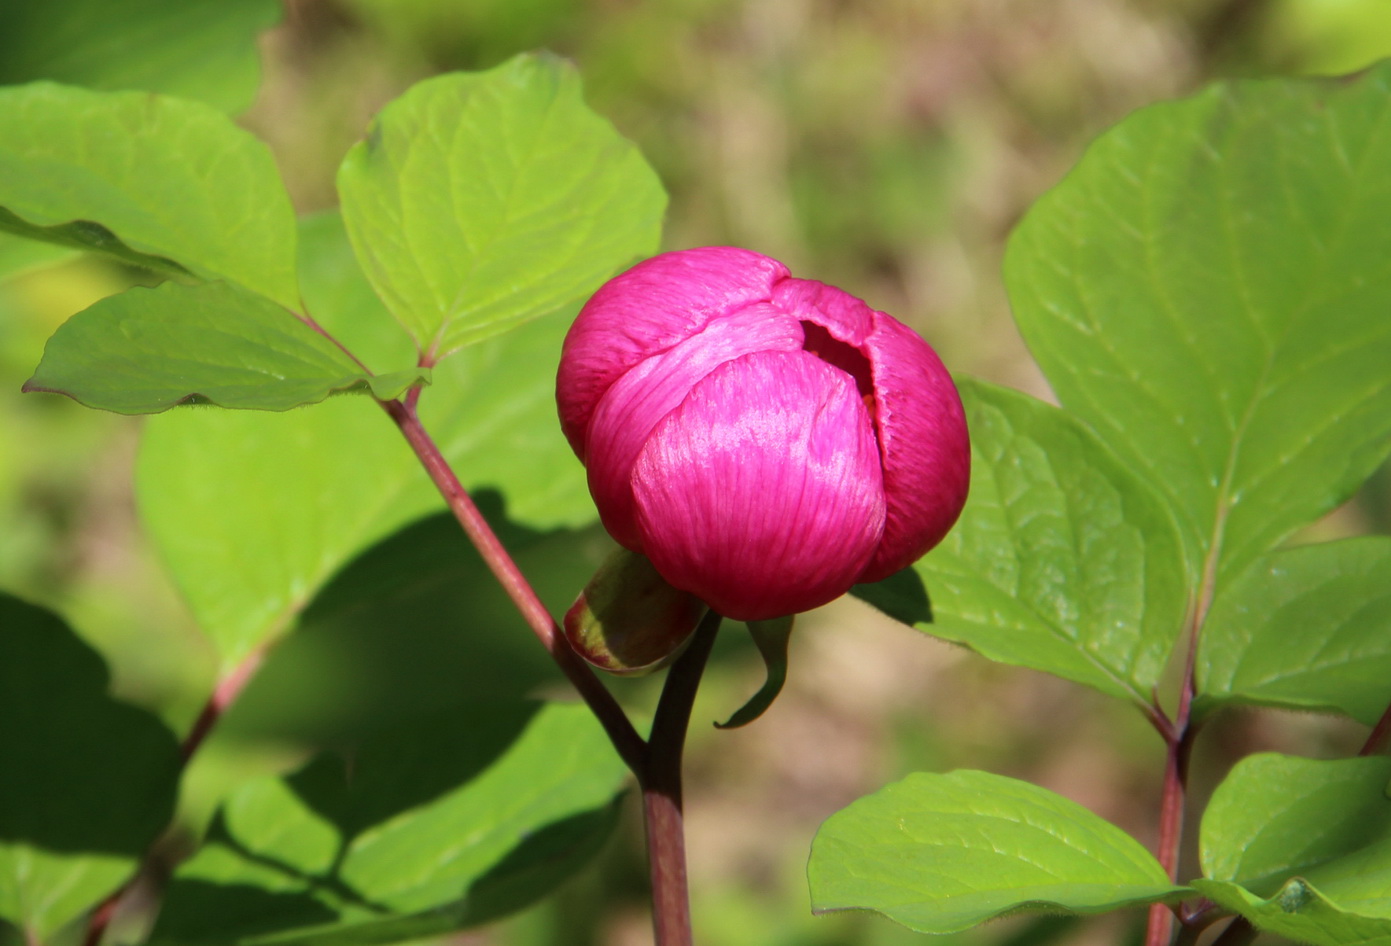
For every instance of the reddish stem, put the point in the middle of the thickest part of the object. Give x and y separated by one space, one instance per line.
1178 739
660 779
601 702
1379 739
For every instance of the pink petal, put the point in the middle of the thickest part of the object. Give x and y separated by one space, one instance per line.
640 399
924 442
917 414
761 493
645 311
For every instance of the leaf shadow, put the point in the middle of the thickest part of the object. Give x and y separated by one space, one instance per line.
82 771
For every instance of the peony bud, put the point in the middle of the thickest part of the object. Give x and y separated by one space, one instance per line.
766 441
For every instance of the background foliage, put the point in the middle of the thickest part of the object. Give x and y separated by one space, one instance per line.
887 147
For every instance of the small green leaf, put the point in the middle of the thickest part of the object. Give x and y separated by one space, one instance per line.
1299 912
1303 847
1063 560
89 780
481 200
942 853
147 350
439 823
1304 628
1209 288
771 638
157 181
901 596
196 49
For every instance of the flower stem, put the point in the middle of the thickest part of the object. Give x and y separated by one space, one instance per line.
1178 740
601 702
660 780
1379 739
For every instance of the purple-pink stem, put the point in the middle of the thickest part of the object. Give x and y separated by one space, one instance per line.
1379 739
656 761
1178 740
660 780
601 702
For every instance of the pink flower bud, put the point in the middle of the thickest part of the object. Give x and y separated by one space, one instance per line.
766 441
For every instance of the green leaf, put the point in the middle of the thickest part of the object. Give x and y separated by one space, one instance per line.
901 596
197 49
1303 628
1299 912
481 200
147 350
447 821
1303 847
89 780
150 180
1209 289
942 853
771 638
1063 560
253 512
409 625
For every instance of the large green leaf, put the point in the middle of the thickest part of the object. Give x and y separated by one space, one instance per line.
89 780
1209 288
1063 560
1303 847
481 200
941 853
1304 628
443 822
145 351
197 49
253 512
151 180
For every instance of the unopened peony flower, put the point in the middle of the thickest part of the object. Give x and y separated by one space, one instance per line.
766 441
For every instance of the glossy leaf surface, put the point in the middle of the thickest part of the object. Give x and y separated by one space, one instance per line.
942 853
1209 289
147 350
154 181
481 200
1303 847
1063 560
89 780
1305 628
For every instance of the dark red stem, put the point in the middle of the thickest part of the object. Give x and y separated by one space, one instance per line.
600 701
1379 739
660 780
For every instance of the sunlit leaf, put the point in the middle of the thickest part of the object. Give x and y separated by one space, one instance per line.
481 200
1303 847
942 853
1209 289
1063 560
1304 628
147 350
154 181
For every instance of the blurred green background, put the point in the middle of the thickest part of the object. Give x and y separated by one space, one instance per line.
885 146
